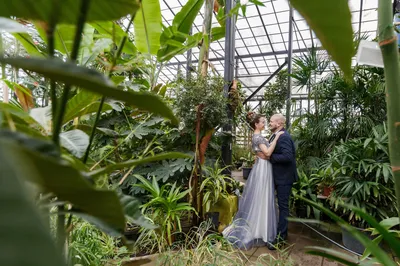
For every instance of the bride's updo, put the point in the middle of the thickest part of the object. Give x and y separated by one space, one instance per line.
253 118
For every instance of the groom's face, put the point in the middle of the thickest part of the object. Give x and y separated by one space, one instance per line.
274 124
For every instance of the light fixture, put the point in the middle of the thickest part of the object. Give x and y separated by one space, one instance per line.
369 54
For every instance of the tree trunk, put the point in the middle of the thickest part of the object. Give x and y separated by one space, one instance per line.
205 46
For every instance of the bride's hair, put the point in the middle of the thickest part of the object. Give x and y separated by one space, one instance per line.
253 118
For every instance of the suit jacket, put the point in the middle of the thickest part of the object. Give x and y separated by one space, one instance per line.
283 160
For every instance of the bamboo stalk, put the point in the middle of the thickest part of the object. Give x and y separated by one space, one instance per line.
388 46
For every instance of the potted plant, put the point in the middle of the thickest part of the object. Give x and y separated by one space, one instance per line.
362 178
325 177
218 203
304 187
248 162
238 152
166 205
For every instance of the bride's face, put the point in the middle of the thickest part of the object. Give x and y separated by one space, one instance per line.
261 124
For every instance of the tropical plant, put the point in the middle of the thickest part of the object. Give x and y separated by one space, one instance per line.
362 177
343 109
215 185
165 204
67 180
275 95
208 93
248 160
390 224
237 153
200 247
305 187
90 246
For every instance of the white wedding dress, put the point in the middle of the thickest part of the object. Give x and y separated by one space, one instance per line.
255 223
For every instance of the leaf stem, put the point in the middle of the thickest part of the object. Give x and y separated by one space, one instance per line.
77 42
114 63
51 47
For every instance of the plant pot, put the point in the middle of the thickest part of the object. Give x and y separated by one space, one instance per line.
238 165
327 190
301 211
246 172
352 243
227 208
132 234
214 217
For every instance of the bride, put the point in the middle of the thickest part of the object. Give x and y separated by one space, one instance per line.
256 220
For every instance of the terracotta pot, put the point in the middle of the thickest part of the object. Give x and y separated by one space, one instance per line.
327 191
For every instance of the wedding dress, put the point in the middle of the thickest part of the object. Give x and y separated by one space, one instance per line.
255 223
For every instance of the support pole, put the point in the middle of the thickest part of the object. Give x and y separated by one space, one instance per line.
228 77
265 82
290 52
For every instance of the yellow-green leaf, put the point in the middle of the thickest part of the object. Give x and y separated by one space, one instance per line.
148 27
331 22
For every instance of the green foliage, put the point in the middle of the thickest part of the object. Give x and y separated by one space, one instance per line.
336 35
173 38
248 159
362 177
275 95
67 11
165 203
388 225
215 185
93 81
199 247
205 92
148 27
22 228
89 246
343 110
305 187
380 255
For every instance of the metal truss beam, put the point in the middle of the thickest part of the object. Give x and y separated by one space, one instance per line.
283 52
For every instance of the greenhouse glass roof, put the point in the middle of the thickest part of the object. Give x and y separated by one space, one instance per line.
261 39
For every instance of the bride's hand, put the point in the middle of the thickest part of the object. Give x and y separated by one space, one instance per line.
279 134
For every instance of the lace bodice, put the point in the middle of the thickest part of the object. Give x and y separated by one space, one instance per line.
257 140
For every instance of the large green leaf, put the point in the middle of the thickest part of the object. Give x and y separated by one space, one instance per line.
16 112
113 31
80 101
333 255
25 240
217 33
67 11
148 27
10 25
75 141
175 47
184 19
331 22
65 182
182 23
26 40
380 254
93 81
64 36
129 163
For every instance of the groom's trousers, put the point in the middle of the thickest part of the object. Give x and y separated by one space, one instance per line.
283 194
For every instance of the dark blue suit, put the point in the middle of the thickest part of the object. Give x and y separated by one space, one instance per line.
283 161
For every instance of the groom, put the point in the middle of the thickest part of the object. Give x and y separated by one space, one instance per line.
283 161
